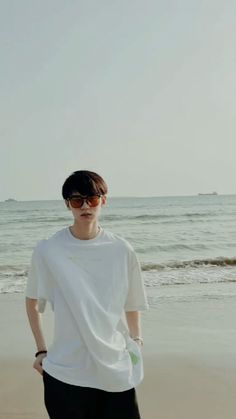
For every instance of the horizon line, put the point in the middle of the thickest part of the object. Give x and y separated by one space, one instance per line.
129 196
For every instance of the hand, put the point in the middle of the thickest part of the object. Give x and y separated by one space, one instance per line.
139 343
38 363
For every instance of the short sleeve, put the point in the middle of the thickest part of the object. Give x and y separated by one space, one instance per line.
39 284
136 298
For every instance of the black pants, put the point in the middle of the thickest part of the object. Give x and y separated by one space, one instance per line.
66 401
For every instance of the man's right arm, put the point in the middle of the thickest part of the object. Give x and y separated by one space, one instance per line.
36 327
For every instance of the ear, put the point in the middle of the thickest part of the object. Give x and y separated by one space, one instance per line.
104 200
67 204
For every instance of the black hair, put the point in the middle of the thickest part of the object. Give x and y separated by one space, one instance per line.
84 182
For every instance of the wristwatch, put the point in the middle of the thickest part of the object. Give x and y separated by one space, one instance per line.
138 339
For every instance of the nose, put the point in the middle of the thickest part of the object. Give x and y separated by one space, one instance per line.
85 204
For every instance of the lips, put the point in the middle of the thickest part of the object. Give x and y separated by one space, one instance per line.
86 213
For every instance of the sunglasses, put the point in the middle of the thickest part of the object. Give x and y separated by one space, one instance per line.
78 202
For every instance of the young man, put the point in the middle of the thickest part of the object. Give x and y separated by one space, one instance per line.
90 277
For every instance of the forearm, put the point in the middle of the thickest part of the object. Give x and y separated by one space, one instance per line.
134 323
35 323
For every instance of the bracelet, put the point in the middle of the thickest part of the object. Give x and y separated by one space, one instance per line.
138 338
40 352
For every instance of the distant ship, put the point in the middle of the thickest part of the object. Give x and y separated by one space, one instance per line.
210 193
10 200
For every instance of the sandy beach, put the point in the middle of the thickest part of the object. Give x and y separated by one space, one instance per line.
189 359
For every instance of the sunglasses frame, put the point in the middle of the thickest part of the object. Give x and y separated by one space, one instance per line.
86 199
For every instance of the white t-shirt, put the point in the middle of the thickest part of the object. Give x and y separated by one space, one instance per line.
89 284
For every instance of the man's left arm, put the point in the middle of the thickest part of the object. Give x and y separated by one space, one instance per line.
134 323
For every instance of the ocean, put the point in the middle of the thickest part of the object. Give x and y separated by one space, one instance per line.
186 245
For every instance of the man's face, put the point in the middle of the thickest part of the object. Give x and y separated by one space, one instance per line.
86 213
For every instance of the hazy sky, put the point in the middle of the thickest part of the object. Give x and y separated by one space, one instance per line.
143 92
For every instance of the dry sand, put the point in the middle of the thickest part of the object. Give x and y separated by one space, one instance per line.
189 373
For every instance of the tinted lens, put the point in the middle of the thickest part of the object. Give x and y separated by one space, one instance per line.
77 202
93 201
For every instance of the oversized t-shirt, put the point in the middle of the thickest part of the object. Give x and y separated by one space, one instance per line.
89 285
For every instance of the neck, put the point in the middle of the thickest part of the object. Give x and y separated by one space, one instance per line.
85 232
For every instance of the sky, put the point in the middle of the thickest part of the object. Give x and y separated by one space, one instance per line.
142 92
